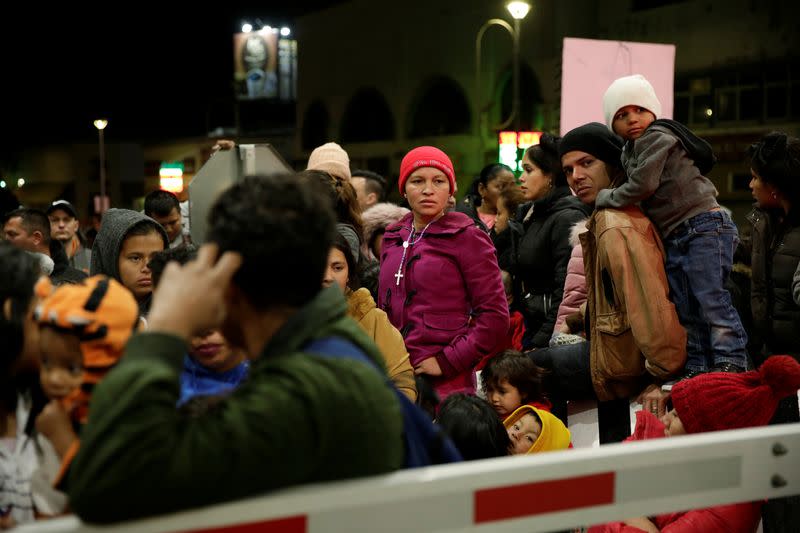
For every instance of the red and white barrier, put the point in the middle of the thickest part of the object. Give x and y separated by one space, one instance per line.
546 492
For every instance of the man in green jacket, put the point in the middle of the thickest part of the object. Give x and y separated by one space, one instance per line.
299 417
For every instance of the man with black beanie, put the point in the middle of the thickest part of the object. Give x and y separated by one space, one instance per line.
635 342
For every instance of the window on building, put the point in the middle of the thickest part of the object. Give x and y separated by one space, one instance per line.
367 117
742 94
440 108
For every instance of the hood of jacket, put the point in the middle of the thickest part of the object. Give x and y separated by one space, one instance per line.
578 228
359 303
108 243
378 217
698 149
554 434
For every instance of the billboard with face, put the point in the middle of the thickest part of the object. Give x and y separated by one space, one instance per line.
256 64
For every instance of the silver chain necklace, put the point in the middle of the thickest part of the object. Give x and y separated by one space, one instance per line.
406 244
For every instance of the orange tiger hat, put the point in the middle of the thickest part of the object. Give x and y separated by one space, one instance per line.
102 313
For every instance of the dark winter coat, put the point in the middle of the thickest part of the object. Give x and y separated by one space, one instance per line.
775 256
536 250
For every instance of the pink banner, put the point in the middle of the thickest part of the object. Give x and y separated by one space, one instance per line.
589 66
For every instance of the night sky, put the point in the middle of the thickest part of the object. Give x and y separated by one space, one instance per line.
150 68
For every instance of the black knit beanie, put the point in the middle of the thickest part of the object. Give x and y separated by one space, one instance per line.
593 138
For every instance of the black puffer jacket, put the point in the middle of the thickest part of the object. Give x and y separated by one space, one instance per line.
775 256
535 250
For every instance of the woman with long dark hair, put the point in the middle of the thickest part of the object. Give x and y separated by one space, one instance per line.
775 220
535 249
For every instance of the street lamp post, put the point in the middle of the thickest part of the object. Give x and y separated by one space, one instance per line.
519 10
101 124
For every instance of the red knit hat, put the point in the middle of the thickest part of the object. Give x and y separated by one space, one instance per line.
426 156
720 400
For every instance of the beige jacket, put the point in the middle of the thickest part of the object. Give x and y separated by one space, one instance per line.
361 307
636 337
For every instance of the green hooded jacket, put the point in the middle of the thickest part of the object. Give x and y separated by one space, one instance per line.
298 418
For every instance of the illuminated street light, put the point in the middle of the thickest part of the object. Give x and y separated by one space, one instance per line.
20 182
2 184
709 112
247 27
285 31
519 10
101 124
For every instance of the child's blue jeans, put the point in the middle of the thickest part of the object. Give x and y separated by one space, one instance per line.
699 260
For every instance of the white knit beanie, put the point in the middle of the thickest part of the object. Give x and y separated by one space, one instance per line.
331 158
629 90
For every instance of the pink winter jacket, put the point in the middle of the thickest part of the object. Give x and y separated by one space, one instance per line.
575 283
449 303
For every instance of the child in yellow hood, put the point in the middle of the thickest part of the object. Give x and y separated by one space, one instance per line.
533 430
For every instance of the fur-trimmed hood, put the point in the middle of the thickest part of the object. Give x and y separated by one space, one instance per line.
577 229
378 217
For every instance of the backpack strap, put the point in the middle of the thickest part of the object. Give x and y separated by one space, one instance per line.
425 443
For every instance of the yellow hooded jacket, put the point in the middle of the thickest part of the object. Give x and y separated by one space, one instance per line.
554 436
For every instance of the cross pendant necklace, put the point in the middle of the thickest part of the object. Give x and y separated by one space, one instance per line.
399 273
406 245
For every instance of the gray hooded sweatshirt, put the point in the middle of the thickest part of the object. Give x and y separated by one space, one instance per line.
108 243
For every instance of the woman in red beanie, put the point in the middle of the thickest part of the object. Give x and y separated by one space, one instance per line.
714 402
439 280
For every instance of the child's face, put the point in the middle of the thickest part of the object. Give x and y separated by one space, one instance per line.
505 398
523 433
62 363
213 352
673 424
136 252
337 271
631 121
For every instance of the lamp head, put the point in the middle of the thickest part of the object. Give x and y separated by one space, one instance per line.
518 9
100 123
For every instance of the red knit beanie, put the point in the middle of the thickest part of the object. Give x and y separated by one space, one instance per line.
426 156
720 400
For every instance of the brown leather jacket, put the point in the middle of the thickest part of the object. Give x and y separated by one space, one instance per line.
635 334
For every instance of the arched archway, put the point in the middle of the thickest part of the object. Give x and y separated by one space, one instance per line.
367 117
530 96
440 108
316 122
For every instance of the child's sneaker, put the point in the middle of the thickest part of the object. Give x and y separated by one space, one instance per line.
689 374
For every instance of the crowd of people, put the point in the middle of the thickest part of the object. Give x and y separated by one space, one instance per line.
142 374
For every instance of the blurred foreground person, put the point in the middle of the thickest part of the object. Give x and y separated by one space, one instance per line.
21 397
300 416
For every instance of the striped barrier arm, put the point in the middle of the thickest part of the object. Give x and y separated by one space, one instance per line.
550 491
